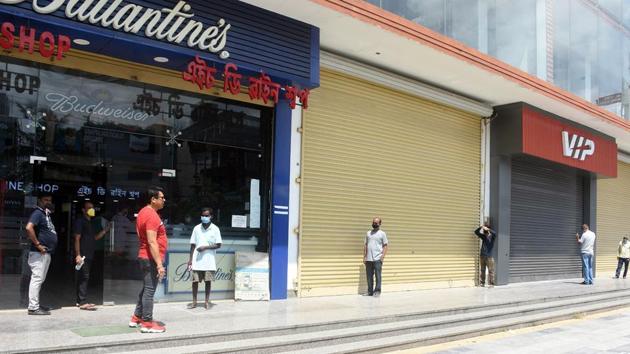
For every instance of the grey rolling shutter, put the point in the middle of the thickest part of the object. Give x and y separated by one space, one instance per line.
547 211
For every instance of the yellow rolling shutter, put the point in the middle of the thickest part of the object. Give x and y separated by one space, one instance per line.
613 218
369 151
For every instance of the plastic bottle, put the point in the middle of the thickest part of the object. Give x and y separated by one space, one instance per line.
80 264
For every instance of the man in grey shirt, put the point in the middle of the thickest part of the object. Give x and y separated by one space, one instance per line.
374 251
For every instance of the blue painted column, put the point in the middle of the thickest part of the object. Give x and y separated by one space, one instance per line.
280 201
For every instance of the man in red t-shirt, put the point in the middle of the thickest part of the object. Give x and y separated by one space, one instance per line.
151 254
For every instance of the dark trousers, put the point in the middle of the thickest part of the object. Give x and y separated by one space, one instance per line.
144 308
622 262
373 269
82 279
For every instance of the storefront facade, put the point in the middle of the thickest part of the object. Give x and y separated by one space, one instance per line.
545 172
99 103
375 145
613 216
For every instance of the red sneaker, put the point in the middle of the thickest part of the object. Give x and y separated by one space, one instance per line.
152 327
135 321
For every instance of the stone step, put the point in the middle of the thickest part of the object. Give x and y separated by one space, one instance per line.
463 331
348 337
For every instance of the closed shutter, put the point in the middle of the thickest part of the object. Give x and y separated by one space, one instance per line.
613 217
371 151
547 211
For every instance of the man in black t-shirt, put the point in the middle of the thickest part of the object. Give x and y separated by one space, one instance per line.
487 236
43 237
84 245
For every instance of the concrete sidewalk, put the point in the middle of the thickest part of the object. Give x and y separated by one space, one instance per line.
71 327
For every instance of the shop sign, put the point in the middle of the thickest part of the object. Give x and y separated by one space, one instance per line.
577 147
179 278
174 25
18 82
48 43
20 186
608 100
68 104
563 142
260 88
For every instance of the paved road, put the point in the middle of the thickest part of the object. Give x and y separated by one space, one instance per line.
601 333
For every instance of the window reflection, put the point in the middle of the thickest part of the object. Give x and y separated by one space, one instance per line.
586 52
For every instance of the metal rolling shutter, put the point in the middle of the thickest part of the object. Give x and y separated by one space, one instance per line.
613 217
372 151
547 211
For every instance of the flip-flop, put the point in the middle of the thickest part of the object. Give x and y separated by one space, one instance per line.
87 307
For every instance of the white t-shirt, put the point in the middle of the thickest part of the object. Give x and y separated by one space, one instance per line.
588 241
205 237
375 242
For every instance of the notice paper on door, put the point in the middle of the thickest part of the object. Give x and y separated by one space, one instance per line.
254 203
239 221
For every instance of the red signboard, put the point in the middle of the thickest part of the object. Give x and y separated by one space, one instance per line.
562 142
25 38
260 88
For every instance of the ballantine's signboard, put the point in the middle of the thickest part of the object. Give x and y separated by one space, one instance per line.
175 25
179 278
260 88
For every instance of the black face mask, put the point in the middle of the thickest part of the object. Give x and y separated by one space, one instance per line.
49 206
375 225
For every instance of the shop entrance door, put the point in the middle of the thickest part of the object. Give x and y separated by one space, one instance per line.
71 186
125 196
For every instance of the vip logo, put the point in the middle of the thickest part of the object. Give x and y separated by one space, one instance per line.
576 146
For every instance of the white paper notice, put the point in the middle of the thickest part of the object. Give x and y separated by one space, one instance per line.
252 276
239 221
254 204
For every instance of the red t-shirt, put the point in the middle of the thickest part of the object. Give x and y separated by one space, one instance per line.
149 220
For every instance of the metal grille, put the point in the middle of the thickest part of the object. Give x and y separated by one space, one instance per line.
547 211
373 151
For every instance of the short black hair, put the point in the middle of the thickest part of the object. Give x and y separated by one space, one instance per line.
154 192
204 209
42 194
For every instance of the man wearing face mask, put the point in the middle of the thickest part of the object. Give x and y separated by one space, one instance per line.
84 244
204 241
374 251
42 234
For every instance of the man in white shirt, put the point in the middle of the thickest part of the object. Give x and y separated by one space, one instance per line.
204 241
374 251
587 243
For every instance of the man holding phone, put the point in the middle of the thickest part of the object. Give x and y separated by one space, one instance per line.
487 236
587 247
151 254
43 237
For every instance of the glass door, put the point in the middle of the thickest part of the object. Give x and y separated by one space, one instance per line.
143 161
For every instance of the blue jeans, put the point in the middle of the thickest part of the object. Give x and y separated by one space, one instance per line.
144 307
587 267
373 269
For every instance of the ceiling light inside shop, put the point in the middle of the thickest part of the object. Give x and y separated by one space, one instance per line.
80 41
161 59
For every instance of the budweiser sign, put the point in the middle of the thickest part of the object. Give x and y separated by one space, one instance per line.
175 25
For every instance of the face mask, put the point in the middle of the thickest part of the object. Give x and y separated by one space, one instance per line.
49 206
205 219
375 225
91 212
